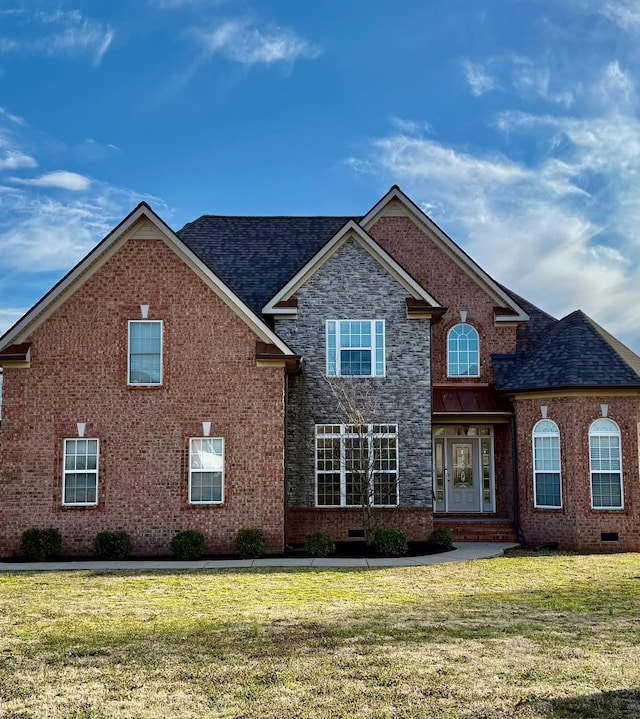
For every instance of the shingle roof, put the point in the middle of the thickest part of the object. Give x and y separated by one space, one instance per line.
576 353
257 256
529 334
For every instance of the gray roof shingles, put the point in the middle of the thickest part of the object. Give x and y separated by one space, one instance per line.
257 256
575 353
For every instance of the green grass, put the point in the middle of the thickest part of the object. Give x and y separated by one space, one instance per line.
519 637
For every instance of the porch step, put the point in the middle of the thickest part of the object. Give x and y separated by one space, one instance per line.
478 529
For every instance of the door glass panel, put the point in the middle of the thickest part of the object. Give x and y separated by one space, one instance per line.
486 471
439 471
462 466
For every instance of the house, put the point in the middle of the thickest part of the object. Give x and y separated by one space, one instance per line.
242 371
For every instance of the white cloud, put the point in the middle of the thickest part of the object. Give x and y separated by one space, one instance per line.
560 229
530 79
624 13
14 159
61 179
243 42
8 317
478 78
9 116
57 33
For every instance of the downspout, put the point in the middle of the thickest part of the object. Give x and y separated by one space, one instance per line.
516 482
285 399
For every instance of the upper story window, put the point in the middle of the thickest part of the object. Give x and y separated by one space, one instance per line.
206 470
145 352
463 351
547 487
355 348
80 472
605 459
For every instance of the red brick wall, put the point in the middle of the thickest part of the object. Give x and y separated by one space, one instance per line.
452 287
79 374
416 522
577 525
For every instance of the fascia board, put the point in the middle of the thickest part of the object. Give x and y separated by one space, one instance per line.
456 253
29 321
350 229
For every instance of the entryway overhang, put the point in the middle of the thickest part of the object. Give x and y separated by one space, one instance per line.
469 404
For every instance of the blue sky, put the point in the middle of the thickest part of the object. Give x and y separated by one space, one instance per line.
513 123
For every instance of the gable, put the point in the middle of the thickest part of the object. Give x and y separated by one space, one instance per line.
432 257
282 303
141 224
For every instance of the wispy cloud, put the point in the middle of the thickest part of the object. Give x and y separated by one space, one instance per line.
530 79
478 79
60 179
624 13
561 228
242 41
66 33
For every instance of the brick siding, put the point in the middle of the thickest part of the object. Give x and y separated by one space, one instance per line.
79 374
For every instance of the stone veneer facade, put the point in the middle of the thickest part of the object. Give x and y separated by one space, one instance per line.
351 284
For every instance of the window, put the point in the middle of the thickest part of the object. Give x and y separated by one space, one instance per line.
546 465
145 352
355 348
206 470
80 472
463 351
356 466
605 458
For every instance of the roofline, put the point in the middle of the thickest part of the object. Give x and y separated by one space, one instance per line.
599 389
329 248
396 193
253 320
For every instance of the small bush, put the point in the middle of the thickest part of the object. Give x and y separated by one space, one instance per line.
390 542
319 544
441 538
250 543
111 545
188 544
38 545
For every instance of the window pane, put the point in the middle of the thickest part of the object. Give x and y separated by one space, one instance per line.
607 490
145 352
548 489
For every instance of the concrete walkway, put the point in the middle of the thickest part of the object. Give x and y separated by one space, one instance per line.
464 552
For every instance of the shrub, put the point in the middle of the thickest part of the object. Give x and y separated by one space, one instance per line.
319 544
38 545
441 538
188 544
390 542
111 545
250 543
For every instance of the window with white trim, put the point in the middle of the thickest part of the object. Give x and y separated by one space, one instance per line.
206 470
547 482
355 348
145 352
356 465
463 351
80 472
605 460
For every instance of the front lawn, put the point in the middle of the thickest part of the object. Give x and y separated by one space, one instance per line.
520 637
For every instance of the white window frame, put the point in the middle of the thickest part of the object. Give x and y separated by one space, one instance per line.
373 349
549 433
193 471
449 373
66 472
343 434
145 384
595 432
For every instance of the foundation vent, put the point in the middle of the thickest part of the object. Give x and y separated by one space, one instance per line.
609 537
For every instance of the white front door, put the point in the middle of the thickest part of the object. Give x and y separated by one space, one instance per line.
463 478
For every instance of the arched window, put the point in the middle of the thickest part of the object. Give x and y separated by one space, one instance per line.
463 351
547 484
605 460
